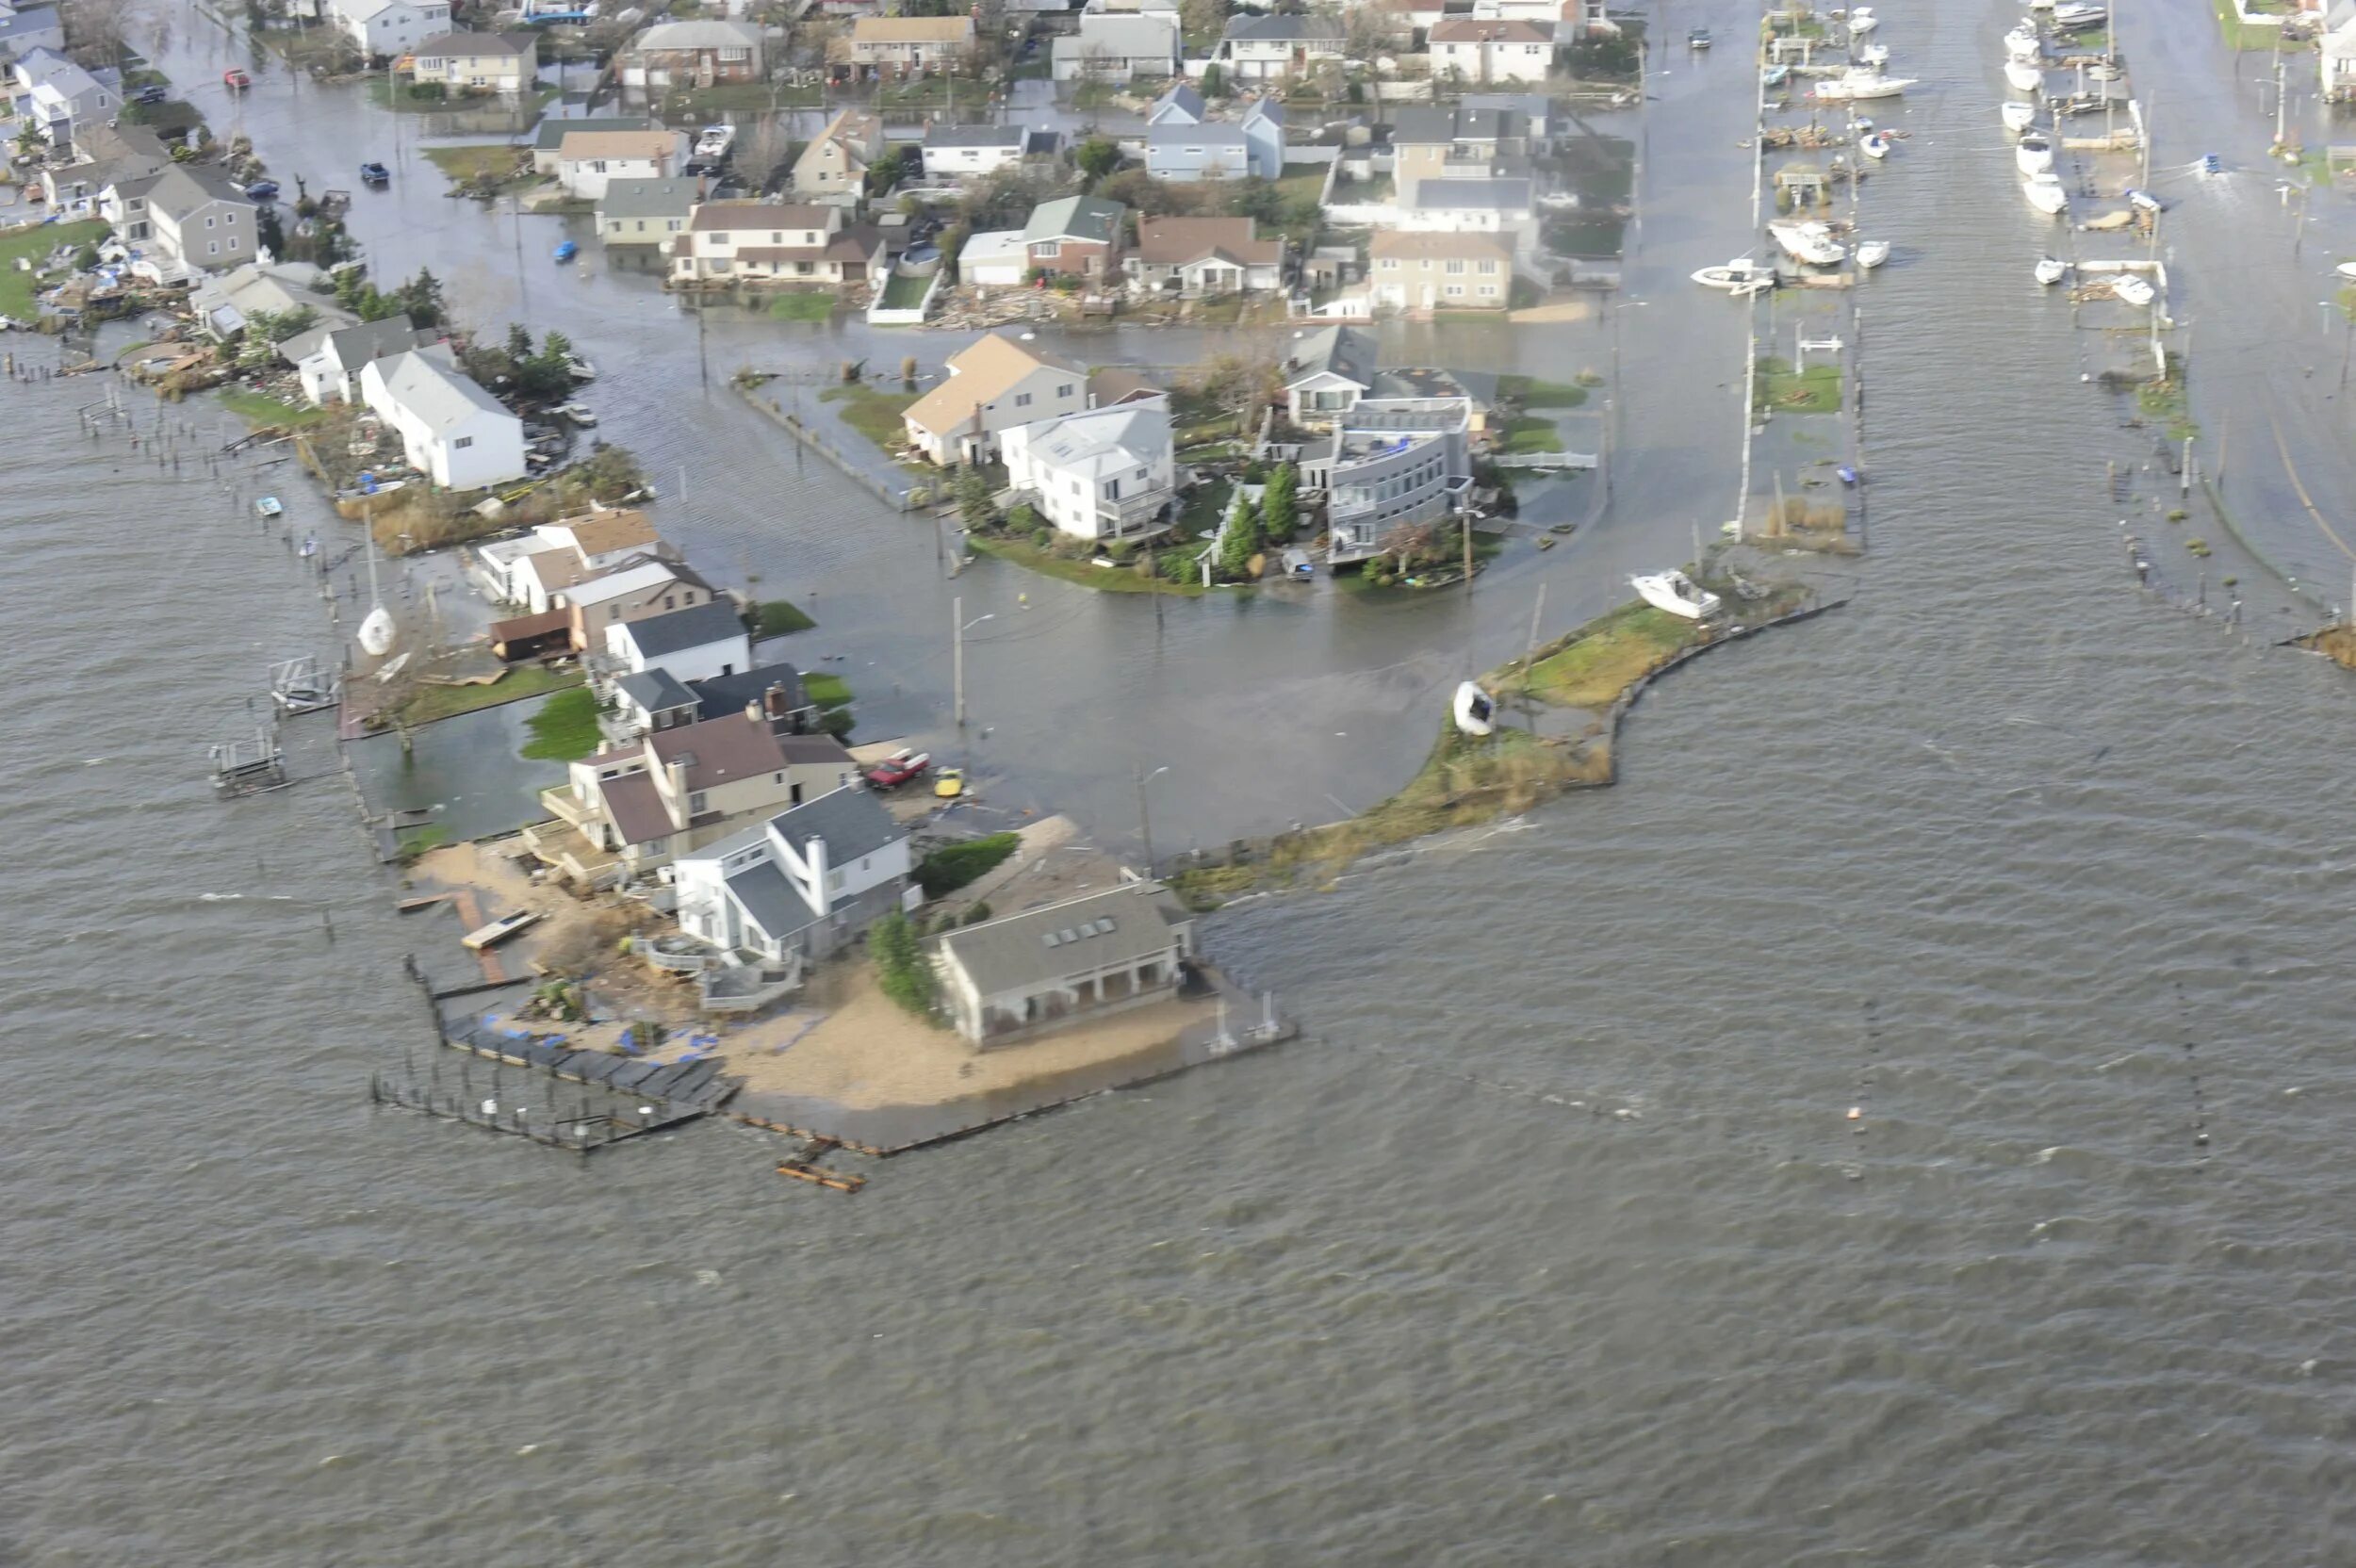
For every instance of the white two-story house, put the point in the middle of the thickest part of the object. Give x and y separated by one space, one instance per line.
806 882
386 28
993 385
1104 473
452 431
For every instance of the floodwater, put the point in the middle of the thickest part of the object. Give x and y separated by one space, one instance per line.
1556 1241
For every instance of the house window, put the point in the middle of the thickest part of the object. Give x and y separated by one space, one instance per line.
1488 292
1389 264
212 248
1064 391
1454 268
1455 290
208 222
1488 268
462 443
1022 399
597 166
696 803
731 56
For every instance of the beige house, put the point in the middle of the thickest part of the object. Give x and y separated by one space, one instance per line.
588 161
1007 980
838 161
904 45
765 242
638 589
1485 50
1440 272
993 385
478 62
1456 142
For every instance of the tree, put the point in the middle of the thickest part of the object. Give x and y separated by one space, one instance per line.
518 342
1140 192
1214 80
1098 157
1278 507
1202 21
973 496
901 970
1240 540
887 170
1003 199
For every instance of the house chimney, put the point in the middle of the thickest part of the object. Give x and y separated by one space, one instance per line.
752 712
777 702
675 772
822 897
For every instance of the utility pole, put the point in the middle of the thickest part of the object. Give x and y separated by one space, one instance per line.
1145 821
1536 612
956 639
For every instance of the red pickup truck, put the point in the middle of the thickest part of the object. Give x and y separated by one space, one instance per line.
239 81
897 769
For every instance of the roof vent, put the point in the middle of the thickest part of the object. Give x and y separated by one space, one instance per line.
1051 939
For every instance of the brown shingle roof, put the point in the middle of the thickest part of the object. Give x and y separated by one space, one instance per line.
637 808
1173 241
912 30
1420 246
723 749
601 531
1470 30
985 371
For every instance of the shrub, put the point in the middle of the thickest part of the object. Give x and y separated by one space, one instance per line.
977 914
952 866
901 968
1025 520
1043 536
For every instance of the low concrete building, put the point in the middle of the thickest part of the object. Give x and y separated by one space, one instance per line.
1103 474
478 62
645 211
588 161
451 430
1194 257
993 384
1010 979
806 882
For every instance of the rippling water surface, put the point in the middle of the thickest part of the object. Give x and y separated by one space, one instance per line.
1556 1242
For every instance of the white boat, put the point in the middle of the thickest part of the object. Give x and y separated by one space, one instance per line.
1739 277
2345 268
1476 710
1875 144
2023 43
1872 252
2045 194
267 507
580 413
1862 20
1811 243
2050 270
1874 55
2023 76
490 936
1677 594
377 633
715 141
580 368
2070 18
1859 84
2134 290
2017 116
2033 153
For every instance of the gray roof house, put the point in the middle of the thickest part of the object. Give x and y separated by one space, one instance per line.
802 884
645 211
1083 217
953 150
1262 48
1007 980
26 27
1113 48
1327 371
1189 151
550 137
202 218
330 358
225 305
1487 205
1181 105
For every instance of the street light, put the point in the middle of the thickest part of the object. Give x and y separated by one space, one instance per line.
961 626
1145 820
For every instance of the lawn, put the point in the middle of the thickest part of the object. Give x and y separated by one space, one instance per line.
2163 402
1608 656
802 306
1302 182
2240 36
1205 504
953 866
16 288
826 691
565 729
705 103
778 619
1111 579
1530 392
496 160
1530 433
903 292
872 414
1814 390
261 412
430 702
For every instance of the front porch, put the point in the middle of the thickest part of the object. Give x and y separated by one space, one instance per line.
571 853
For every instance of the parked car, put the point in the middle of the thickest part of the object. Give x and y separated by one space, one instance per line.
262 191
152 93
237 80
949 783
898 768
375 173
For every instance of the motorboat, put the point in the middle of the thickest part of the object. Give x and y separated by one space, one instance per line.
2104 70
2034 151
2045 194
2018 116
1862 20
1872 252
1859 84
2023 43
1811 243
2025 76
2345 268
2142 200
267 507
580 368
1775 76
2134 290
1875 144
1739 277
715 141
580 413
2050 270
1675 592
1476 710
377 633
2072 18
1874 55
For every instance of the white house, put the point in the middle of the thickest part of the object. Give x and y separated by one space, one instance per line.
201 218
966 152
478 62
450 430
702 644
390 28
1467 207
588 161
1116 48
1483 49
1325 371
1104 473
1007 980
995 258
808 881
225 304
535 569
329 359
993 385
2336 55
1262 48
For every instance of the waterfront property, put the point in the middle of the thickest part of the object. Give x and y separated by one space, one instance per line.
2335 53
906 45
328 359
699 643
1117 48
1076 237
1389 462
588 161
24 29
478 62
806 882
58 100
383 29
1189 151
835 163
1102 474
450 430
1485 50
1010 979
1194 257
653 699
995 258
644 212
1325 371
1262 48
764 242
226 303
967 151
534 568
1460 141
202 221
693 54
638 589
993 385
549 138
1476 206
1440 272
109 173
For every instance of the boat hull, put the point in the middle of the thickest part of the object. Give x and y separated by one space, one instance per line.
1873 254
2023 76
1677 594
1475 710
2018 116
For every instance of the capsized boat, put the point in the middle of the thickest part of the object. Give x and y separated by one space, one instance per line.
1476 710
2033 153
2345 268
1675 592
1739 277
2023 76
2017 116
1872 252
1859 84
1775 76
1811 243
1875 144
2050 270
2134 290
2045 194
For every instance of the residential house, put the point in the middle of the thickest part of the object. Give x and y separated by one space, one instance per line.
550 137
534 570
1104 473
1187 150
24 29
1195 256
1114 386
2337 52
225 305
1472 49
993 384
1537 124
329 359
639 589
478 62
647 802
104 155
1480 206
451 430
806 882
1179 105
58 99
837 161
909 45
201 218
1456 142
955 153
1441 272
1386 462
694 54
765 242
995 258
1258 47
1020 975
1325 371
1111 47
654 699
588 161
1076 237
644 212
693 644
383 29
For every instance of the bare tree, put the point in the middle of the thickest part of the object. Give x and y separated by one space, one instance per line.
96 31
762 147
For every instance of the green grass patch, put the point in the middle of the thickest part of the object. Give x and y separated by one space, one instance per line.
430 702
261 412
1608 656
1110 580
904 293
1205 504
872 414
1814 390
16 288
779 618
565 729
802 306
1530 433
1530 392
2167 403
2240 36
492 160
414 842
826 691
1304 181
953 866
